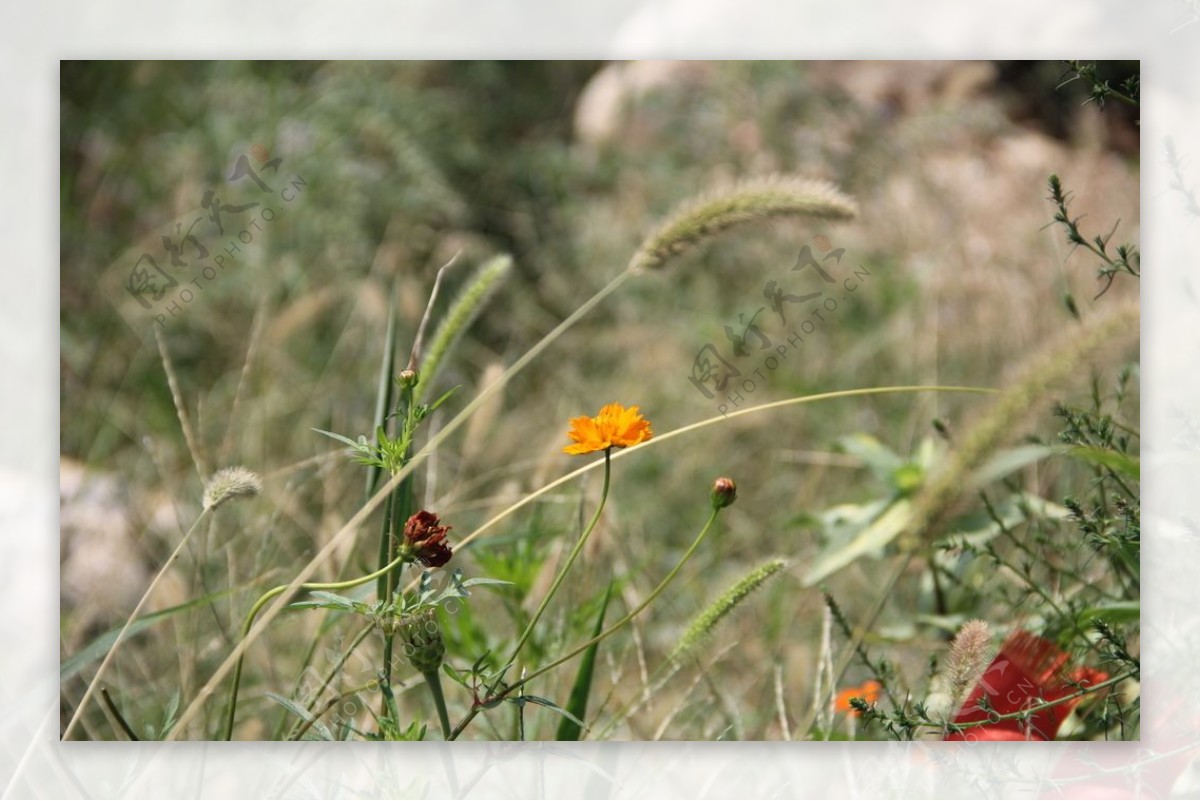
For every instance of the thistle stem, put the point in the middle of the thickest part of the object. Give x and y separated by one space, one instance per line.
433 680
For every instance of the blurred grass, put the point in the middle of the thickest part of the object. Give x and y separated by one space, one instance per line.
408 163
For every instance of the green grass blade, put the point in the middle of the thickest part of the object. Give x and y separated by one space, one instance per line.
98 647
383 392
570 727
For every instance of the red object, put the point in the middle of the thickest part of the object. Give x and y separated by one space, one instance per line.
1029 671
426 535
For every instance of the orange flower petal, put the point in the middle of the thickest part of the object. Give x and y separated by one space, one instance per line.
614 427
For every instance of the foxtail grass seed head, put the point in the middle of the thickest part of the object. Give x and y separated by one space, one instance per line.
228 483
425 540
724 492
702 625
749 201
969 655
422 638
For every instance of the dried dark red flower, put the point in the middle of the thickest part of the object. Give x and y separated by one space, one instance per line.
425 537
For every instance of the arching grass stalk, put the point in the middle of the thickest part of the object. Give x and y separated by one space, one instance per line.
227 733
562 574
711 421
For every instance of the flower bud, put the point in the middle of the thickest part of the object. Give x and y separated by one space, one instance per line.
422 638
407 379
724 492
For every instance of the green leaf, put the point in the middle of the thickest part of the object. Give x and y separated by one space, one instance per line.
383 391
569 728
98 647
534 699
882 460
1009 461
302 713
455 675
978 527
1113 612
357 446
1116 461
882 531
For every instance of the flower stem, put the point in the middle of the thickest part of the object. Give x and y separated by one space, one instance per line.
227 732
433 680
562 574
662 585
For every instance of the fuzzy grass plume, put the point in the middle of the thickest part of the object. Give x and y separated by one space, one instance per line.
703 624
748 201
229 483
1056 361
460 316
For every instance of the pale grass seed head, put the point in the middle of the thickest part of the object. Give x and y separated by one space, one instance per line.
969 655
228 483
748 201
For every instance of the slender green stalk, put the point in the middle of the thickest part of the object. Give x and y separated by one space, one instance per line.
433 680
562 574
608 632
227 733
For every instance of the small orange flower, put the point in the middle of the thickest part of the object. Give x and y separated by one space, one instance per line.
868 691
614 427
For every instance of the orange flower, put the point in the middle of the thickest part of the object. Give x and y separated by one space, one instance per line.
614 427
868 691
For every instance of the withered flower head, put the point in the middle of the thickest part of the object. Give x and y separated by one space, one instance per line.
425 539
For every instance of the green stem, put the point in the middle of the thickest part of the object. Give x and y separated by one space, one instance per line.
1025 713
227 733
662 585
433 680
562 574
